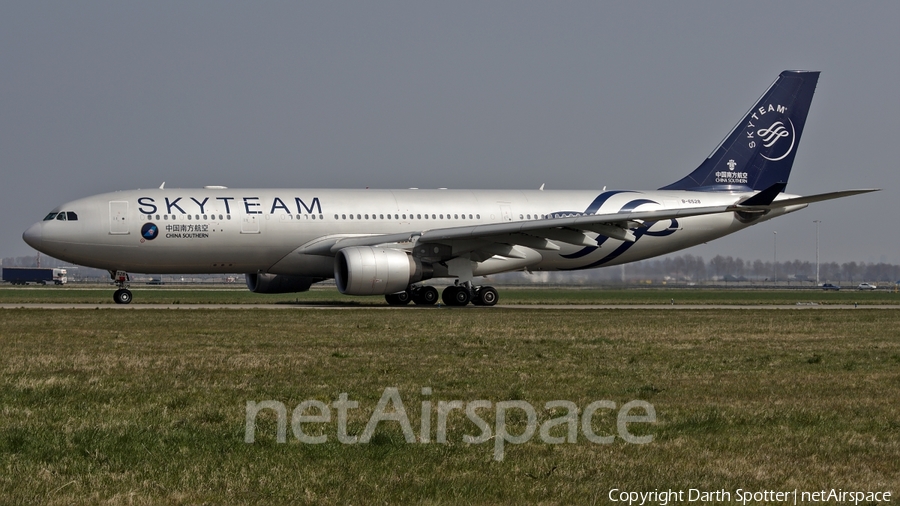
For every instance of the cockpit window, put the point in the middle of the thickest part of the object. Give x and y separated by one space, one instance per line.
50 216
71 216
61 217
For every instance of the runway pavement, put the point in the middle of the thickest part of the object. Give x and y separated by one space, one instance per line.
643 307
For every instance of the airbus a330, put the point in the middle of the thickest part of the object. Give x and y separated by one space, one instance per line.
390 242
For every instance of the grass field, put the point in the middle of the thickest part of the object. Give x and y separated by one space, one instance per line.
525 296
146 407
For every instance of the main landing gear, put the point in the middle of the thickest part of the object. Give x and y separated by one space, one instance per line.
461 295
419 295
454 295
123 294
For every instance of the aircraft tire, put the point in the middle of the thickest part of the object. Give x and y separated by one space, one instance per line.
448 296
397 299
122 296
425 296
455 296
487 296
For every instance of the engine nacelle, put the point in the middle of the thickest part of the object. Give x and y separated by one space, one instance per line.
278 283
366 270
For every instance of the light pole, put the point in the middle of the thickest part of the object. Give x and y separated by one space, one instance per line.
817 250
775 255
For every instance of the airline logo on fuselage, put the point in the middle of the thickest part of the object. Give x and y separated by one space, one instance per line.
228 205
149 231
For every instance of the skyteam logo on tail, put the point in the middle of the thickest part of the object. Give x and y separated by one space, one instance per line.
777 138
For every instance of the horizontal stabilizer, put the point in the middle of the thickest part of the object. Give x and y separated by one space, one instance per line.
803 200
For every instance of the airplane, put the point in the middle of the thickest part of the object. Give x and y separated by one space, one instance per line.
388 242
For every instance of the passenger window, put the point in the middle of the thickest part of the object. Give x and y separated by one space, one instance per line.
71 216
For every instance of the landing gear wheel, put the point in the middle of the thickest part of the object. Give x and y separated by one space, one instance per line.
486 296
122 296
425 296
397 299
455 296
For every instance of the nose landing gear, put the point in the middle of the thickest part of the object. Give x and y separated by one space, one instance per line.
123 294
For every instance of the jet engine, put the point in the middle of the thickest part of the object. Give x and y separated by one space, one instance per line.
278 283
366 270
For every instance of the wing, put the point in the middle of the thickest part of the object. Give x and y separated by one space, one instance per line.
481 242
500 238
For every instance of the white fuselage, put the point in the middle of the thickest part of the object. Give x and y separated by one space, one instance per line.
263 230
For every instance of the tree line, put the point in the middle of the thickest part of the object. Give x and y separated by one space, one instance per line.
725 268
685 268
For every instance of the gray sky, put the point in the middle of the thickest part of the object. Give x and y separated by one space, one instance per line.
116 95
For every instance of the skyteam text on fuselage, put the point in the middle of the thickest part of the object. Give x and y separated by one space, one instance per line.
389 241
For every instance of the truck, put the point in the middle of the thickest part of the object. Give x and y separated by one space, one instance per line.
25 275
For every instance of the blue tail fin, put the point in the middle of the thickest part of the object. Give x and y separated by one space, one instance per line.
760 151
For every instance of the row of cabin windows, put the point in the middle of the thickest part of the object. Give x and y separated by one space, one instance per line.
190 217
62 216
71 216
187 216
336 216
404 216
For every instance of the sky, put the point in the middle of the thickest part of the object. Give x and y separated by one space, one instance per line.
104 96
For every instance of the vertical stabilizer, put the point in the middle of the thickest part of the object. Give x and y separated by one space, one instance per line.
760 151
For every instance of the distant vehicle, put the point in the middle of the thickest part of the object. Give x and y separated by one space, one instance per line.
25 275
866 286
156 281
829 286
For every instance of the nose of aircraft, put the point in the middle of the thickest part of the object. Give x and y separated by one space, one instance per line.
33 236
